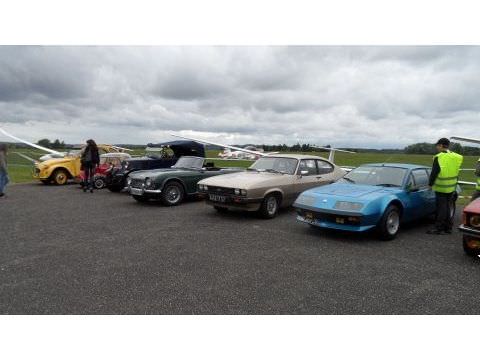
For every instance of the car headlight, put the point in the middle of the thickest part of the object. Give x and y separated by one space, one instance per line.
475 221
129 181
240 192
148 182
348 205
202 187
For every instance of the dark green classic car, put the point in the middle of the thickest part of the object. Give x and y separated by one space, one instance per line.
174 184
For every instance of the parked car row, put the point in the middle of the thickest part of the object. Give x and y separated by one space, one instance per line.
378 197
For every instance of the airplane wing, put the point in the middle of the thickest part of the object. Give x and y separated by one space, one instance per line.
120 148
331 156
25 157
222 145
30 144
474 141
467 183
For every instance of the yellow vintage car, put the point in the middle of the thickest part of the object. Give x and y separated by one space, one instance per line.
60 170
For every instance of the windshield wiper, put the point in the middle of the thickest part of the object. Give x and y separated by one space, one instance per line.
252 169
350 180
387 185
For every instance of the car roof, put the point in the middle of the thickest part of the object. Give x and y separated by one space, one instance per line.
398 165
297 156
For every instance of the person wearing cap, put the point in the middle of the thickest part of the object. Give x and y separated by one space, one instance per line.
444 180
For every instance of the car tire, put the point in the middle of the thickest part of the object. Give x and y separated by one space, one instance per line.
140 198
60 177
99 182
172 193
469 250
269 207
220 209
389 224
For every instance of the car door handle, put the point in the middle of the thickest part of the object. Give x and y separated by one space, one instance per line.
319 177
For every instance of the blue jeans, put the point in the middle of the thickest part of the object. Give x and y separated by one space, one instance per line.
3 180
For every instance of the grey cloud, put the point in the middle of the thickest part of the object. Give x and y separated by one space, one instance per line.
348 96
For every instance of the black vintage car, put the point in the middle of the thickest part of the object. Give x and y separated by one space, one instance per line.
158 156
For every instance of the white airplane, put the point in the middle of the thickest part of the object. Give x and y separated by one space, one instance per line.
331 156
51 154
241 155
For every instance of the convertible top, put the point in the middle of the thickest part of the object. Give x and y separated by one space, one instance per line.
182 148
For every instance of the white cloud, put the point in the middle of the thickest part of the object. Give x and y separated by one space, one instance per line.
346 96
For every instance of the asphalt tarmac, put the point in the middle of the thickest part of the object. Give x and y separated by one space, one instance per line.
66 252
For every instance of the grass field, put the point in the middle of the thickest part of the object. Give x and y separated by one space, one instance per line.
20 169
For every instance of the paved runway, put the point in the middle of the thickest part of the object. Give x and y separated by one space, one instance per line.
66 252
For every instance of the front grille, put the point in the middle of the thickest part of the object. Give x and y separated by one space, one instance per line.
136 183
36 171
332 218
221 190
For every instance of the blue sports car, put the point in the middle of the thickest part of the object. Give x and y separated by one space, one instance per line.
371 196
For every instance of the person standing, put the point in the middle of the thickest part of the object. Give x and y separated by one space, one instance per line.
90 160
476 194
444 180
3 169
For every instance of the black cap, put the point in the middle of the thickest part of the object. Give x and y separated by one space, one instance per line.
444 142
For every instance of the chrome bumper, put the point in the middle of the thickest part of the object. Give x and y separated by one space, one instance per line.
468 230
141 191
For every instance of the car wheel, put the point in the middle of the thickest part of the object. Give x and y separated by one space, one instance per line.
99 183
269 207
140 198
390 223
471 246
220 209
172 193
60 177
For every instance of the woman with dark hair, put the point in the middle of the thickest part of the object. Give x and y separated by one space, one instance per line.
3 169
90 160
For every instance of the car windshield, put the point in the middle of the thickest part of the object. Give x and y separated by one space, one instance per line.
188 162
276 165
159 153
376 175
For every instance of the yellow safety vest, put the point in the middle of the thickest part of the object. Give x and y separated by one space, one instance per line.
447 179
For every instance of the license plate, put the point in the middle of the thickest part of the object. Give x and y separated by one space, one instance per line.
217 198
340 220
135 191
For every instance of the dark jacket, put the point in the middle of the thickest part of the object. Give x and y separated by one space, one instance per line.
3 162
90 155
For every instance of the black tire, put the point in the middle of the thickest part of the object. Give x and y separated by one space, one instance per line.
99 182
60 177
172 193
269 207
140 198
389 224
220 209
469 250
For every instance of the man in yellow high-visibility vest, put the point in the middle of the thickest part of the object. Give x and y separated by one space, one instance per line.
444 180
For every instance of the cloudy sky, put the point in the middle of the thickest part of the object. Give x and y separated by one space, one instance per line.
344 96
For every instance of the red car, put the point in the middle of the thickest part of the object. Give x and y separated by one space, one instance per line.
107 163
471 228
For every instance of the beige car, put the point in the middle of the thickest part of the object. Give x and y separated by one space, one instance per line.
272 182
